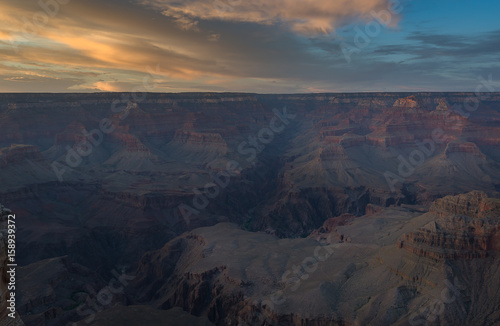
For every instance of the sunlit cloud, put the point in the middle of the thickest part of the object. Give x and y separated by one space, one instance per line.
107 86
303 16
214 37
224 45
184 21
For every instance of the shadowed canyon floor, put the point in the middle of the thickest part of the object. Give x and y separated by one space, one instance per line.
247 209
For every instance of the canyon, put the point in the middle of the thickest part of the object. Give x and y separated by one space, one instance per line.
253 209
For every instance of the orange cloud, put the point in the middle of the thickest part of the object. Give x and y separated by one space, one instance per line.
91 42
303 16
107 86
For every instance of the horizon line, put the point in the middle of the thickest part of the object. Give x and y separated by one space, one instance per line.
247 93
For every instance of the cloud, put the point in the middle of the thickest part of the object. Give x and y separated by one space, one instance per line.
433 46
85 36
214 37
107 86
19 78
224 45
185 22
308 17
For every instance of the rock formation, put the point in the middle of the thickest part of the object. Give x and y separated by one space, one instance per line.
467 227
287 172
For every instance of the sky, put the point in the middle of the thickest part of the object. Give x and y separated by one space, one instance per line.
257 46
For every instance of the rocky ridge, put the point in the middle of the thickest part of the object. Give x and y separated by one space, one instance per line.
122 200
365 277
467 227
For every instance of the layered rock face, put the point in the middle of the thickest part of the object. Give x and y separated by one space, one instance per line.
409 102
56 291
16 154
467 147
351 271
225 278
303 166
187 137
467 227
475 204
333 142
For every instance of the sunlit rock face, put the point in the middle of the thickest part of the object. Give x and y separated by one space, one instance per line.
467 227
